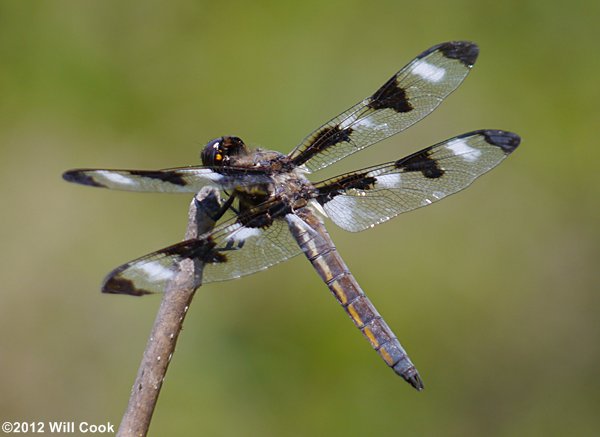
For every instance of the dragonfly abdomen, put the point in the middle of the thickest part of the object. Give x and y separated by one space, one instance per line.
321 252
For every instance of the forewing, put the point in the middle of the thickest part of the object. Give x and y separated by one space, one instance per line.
232 250
407 97
362 199
174 180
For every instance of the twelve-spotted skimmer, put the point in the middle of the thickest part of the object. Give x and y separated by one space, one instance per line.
277 210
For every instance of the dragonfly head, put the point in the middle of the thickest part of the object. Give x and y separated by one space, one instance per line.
219 151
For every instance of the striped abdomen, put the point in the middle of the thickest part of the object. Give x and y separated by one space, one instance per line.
321 252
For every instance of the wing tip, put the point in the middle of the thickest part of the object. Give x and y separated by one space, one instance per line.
80 176
113 284
507 141
463 51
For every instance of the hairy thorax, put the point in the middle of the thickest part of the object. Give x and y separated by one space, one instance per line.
286 183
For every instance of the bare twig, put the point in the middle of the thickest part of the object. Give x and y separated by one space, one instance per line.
168 323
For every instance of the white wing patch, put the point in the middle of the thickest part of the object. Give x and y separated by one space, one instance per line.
389 180
116 178
244 233
211 175
347 213
428 72
156 271
460 148
368 124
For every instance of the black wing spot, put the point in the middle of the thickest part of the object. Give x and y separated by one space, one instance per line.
463 51
390 96
202 249
117 285
421 162
262 216
507 141
261 221
327 137
165 176
358 181
79 177
233 244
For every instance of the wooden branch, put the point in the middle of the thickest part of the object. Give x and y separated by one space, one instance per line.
168 323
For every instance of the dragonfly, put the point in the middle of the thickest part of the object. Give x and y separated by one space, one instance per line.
271 211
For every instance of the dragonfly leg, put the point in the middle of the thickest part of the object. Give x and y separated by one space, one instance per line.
216 215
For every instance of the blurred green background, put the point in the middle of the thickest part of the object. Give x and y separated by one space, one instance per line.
493 292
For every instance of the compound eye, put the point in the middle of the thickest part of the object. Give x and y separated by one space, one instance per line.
213 152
